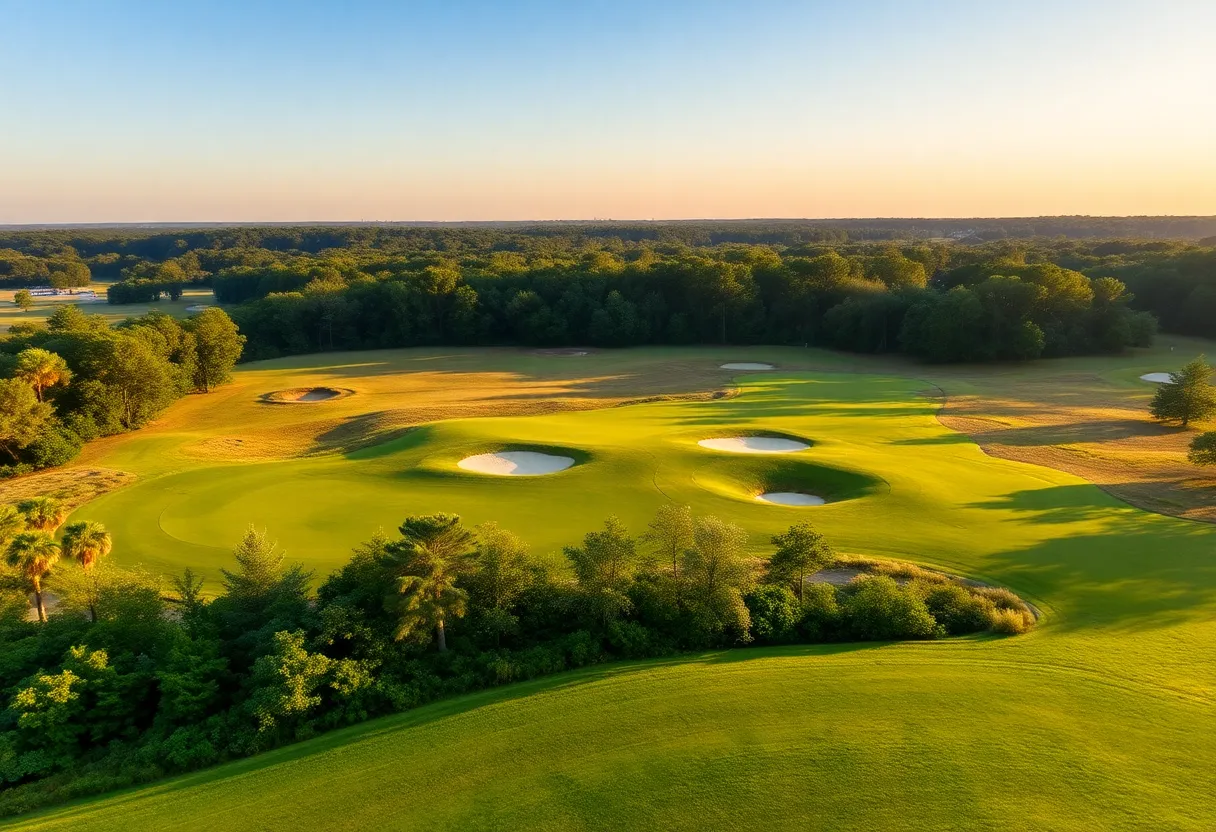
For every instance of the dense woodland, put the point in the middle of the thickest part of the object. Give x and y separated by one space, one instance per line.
887 286
76 378
124 682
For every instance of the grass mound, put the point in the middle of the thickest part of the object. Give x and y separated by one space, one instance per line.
745 477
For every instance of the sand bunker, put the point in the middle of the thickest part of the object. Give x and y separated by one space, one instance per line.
198 307
790 498
754 445
747 365
306 395
570 353
1157 378
516 463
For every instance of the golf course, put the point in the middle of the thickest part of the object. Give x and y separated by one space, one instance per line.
1101 717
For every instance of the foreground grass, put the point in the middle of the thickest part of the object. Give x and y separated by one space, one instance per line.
954 736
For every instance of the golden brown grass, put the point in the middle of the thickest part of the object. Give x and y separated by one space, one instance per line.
1088 426
73 486
388 392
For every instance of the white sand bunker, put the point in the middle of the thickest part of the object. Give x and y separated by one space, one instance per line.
198 307
1157 378
790 498
747 365
754 445
516 463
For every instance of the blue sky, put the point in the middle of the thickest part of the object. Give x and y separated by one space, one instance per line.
123 111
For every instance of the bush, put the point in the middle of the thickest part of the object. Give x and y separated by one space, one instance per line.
775 614
56 446
1011 622
821 614
878 609
958 611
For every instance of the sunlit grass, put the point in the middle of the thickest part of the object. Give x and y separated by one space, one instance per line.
1101 717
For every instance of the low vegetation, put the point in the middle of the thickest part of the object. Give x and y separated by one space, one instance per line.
122 684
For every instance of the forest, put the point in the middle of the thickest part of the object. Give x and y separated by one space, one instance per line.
125 682
76 378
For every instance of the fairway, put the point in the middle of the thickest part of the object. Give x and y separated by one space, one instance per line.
1100 718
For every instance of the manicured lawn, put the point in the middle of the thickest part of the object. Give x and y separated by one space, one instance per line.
934 737
1102 718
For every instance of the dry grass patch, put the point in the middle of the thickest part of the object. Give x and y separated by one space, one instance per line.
1089 427
72 486
385 393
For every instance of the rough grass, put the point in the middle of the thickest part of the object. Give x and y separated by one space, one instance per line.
1100 718
1089 417
73 486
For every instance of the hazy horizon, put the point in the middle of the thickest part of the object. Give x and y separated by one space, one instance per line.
138 113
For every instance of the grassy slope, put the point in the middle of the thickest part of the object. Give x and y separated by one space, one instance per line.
943 737
1102 718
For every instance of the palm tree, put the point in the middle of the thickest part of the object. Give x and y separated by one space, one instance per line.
41 369
12 523
33 554
86 543
435 551
42 514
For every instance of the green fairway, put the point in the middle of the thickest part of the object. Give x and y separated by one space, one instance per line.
877 451
1103 717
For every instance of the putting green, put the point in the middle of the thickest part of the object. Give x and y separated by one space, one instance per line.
1102 718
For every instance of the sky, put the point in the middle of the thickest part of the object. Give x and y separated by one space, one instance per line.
456 110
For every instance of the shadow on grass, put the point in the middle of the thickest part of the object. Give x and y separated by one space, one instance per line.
1139 571
1056 504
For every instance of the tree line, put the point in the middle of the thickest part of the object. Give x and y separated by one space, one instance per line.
614 284
917 300
1172 280
122 683
76 378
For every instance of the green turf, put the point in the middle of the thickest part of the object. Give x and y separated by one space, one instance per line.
876 446
1103 718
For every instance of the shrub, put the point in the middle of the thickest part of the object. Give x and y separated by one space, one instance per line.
821 614
56 446
1011 622
631 640
955 609
878 609
1003 599
775 613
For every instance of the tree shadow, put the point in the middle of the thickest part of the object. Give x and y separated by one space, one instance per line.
1139 571
1057 504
